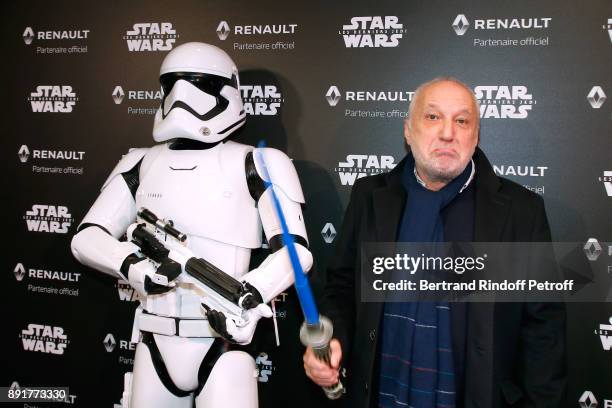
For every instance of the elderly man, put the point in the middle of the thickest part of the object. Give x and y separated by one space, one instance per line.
433 354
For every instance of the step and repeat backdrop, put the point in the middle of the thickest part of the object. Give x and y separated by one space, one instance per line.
327 82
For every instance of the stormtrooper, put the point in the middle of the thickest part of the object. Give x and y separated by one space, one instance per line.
216 192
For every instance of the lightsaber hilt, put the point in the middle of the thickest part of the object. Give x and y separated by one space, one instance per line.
317 336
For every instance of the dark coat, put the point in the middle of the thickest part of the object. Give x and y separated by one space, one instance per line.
515 352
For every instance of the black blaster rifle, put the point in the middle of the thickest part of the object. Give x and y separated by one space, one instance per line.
222 291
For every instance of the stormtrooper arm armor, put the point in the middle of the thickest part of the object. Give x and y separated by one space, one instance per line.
275 274
96 243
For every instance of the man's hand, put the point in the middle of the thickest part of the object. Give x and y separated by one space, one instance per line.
318 371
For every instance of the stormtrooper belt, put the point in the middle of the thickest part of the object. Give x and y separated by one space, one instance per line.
174 326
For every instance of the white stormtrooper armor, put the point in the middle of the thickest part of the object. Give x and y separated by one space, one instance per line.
212 191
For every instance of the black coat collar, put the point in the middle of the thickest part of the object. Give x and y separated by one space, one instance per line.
492 207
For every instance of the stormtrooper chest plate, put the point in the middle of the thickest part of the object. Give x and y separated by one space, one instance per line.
204 192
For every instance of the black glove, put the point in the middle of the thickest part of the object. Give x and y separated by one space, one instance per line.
217 320
169 269
253 298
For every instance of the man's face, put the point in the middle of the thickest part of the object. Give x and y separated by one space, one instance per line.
442 132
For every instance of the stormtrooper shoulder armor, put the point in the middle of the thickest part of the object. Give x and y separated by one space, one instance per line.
115 208
126 164
281 170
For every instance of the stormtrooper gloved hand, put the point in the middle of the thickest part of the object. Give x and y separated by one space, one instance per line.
231 330
149 278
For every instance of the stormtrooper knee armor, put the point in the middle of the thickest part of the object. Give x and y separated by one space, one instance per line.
215 193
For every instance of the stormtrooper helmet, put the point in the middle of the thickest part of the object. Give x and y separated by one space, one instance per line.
201 95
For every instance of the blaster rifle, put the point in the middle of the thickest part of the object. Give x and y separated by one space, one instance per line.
225 293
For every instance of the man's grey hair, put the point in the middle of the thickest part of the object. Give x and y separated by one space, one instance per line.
419 91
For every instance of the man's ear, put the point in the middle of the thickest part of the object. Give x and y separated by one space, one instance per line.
407 133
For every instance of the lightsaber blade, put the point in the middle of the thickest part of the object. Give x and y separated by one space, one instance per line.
316 332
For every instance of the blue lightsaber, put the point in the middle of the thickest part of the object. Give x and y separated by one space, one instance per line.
317 330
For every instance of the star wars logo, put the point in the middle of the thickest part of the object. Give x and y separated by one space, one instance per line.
261 99
126 292
607 182
53 99
151 37
362 165
373 31
264 367
605 335
48 218
44 339
504 102
29 35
